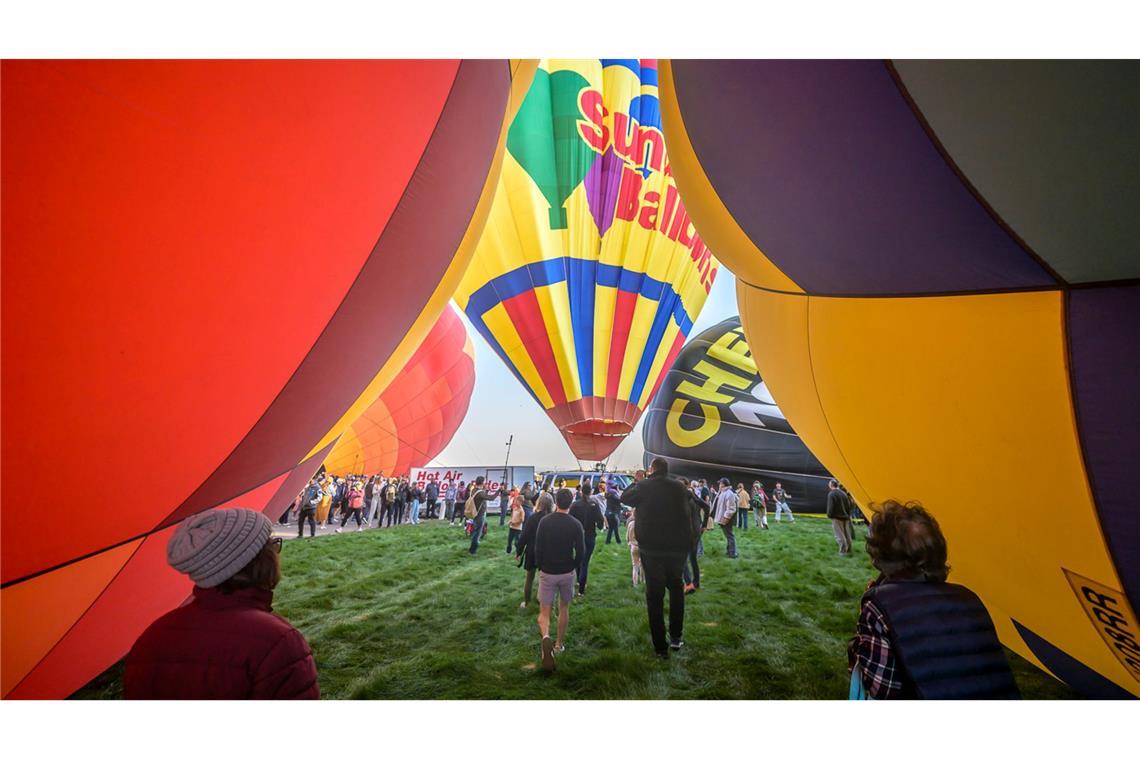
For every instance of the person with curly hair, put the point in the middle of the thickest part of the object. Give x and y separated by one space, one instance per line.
919 637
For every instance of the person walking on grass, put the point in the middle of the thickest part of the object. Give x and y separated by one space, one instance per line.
700 511
310 501
780 496
528 499
901 648
838 511
744 509
478 498
226 643
369 503
326 502
725 515
524 547
353 507
665 536
613 514
759 502
588 512
514 527
558 550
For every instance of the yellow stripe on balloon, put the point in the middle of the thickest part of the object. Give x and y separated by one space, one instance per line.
501 327
554 303
643 314
605 301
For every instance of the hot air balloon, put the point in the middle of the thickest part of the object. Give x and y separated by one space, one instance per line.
209 269
937 265
418 413
714 417
589 273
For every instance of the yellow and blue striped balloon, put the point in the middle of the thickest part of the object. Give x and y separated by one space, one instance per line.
589 274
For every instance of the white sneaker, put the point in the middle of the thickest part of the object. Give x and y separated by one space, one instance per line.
338 530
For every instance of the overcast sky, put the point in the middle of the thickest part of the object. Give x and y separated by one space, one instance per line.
500 407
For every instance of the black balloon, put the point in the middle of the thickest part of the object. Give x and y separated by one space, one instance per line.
713 417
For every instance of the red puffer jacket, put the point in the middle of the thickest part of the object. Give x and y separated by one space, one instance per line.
221 646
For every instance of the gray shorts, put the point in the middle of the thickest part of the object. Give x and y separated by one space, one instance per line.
563 583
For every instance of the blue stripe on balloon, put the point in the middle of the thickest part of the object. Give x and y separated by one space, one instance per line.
583 277
656 334
580 287
633 64
649 76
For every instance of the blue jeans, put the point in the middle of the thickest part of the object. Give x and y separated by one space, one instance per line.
414 514
730 539
477 532
584 565
691 572
613 520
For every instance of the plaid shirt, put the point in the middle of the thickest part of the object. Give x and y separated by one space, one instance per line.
870 651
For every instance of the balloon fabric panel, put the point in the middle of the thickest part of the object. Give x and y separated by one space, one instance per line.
589 273
213 232
1004 405
416 416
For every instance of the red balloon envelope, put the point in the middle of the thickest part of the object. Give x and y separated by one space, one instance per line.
417 415
205 264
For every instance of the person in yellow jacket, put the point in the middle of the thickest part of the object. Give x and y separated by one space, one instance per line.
326 500
518 514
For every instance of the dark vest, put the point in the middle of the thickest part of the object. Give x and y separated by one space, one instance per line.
944 641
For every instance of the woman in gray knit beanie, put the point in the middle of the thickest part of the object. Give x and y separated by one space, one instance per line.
226 643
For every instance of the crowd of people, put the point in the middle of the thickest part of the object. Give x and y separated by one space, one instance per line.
228 644
388 501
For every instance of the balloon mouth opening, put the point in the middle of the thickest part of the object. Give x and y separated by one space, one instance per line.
616 428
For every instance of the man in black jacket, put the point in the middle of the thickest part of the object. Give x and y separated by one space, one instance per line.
586 511
665 537
558 549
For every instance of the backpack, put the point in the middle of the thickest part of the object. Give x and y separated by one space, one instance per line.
469 509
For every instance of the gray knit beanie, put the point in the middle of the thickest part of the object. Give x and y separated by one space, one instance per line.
211 547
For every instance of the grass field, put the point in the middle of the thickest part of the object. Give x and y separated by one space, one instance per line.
406 613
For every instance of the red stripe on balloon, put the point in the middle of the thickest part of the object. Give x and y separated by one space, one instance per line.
623 320
526 315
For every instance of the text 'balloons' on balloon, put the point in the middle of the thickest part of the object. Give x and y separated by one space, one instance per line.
418 413
589 274
936 264
714 417
207 265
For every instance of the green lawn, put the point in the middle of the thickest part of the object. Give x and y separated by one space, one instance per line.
406 613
